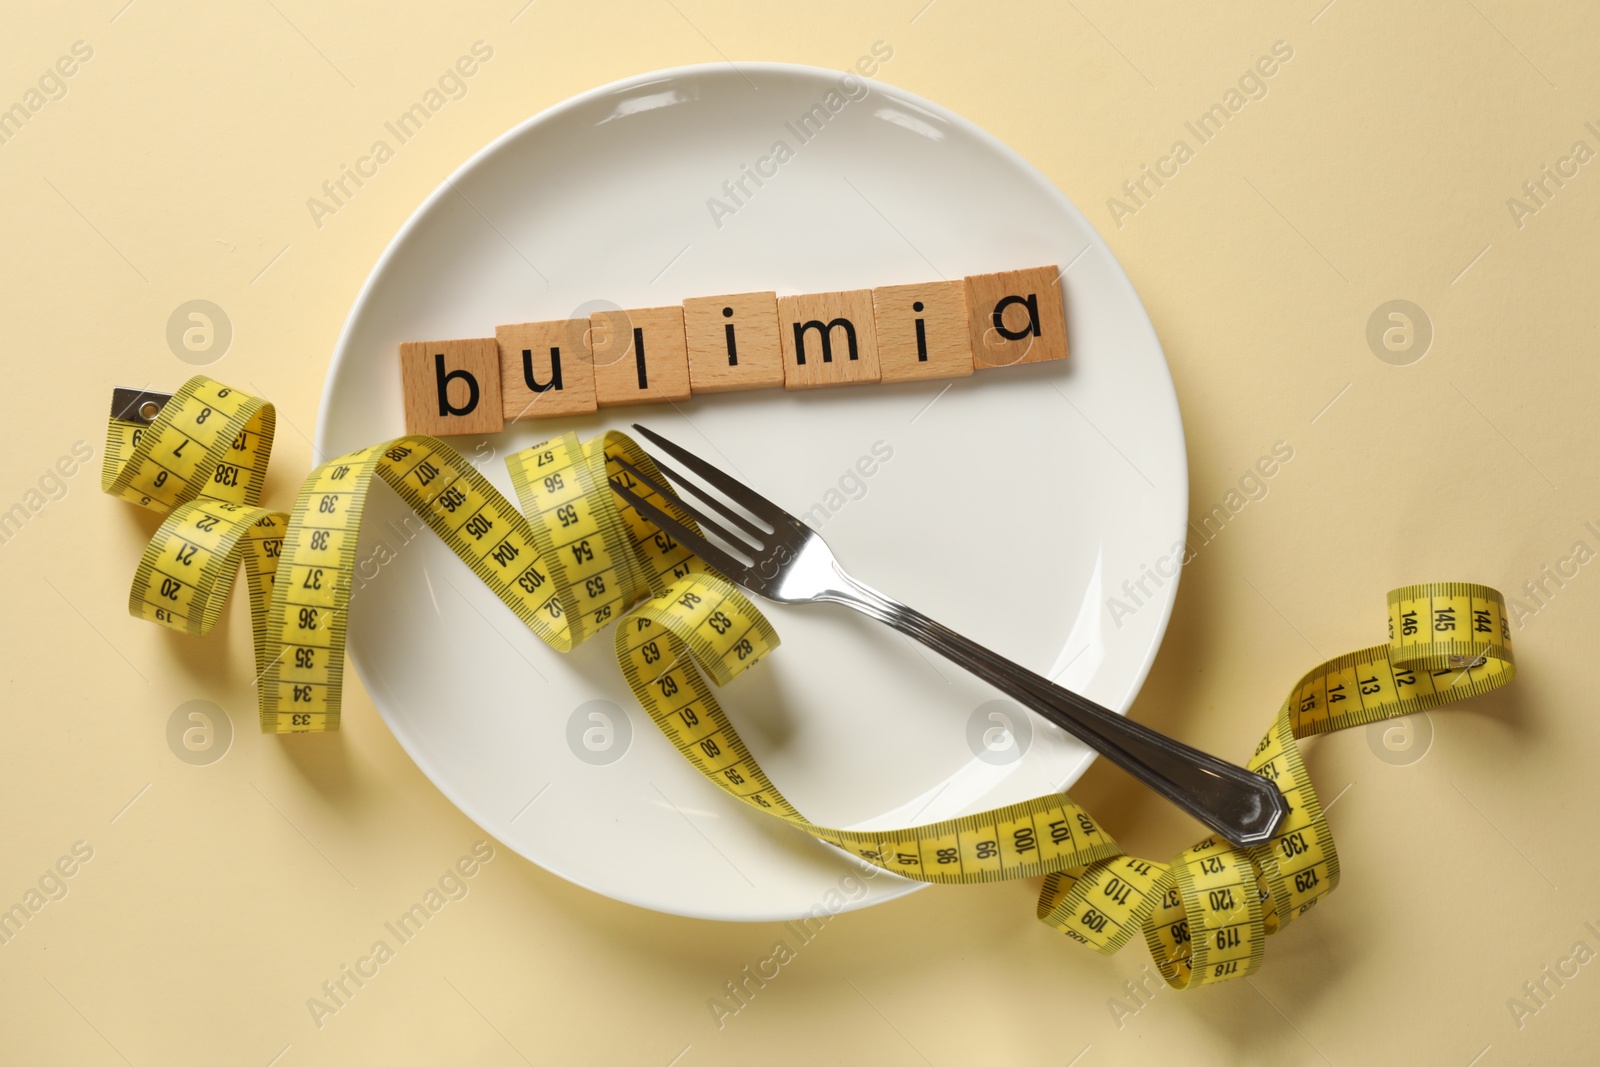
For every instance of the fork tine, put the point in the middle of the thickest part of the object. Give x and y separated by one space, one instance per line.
721 509
687 508
712 554
743 494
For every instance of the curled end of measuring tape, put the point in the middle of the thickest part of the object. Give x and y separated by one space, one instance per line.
1207 913
569 559
199 456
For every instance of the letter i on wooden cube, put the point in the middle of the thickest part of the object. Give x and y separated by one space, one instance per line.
451 386
639 356
733 342
1016 317
546 369
828 339
922 331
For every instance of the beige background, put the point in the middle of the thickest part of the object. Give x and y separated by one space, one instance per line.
1378 167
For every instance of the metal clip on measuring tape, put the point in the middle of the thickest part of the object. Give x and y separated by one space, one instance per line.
569 558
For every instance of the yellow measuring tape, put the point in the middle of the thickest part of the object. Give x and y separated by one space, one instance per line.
569 558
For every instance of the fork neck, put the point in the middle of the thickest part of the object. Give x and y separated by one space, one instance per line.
862 597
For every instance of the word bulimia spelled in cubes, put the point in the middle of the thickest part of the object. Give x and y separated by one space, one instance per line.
722 344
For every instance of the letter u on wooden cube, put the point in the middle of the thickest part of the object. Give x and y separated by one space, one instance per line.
546 369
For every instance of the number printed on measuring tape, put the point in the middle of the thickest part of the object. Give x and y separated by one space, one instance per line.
569 559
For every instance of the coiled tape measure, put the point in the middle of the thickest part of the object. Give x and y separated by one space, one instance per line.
569 559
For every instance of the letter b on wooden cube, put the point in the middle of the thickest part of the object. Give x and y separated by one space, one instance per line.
1016 317
828 339
451 386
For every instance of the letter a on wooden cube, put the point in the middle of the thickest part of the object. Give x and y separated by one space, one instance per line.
639 356
828 339
733 342
922 331
1016 317
451 386
546 369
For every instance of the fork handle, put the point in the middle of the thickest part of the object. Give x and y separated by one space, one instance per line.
1243 807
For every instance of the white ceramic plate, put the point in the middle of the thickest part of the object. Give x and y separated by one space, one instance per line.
1014 503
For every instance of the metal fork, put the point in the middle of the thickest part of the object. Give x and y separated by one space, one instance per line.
791 564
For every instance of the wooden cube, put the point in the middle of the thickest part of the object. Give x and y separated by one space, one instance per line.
546 369
828 339
1016 317
922 331
733 342
451 386
639 356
